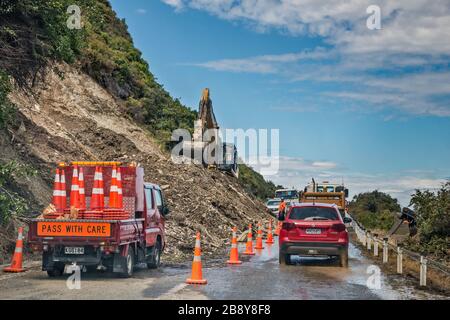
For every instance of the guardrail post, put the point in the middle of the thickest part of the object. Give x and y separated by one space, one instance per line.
423 271
375 246
369 241
385 250
399 260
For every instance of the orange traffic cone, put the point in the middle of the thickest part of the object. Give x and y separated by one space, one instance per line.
119 189
82 193
197 277
114 190
269 239
75 189
97 199
234 253
278 229
259 242
16 263
59 198
249 246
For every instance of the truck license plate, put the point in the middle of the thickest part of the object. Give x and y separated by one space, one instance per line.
313 231
74 250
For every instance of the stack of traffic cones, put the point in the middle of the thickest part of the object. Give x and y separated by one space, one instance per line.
259 242
16 263
234 253
269 239
115 210
81 190
59 195
249 246
75 190
197 276
97 198
119 189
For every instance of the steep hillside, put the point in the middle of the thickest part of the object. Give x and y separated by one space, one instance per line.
69 116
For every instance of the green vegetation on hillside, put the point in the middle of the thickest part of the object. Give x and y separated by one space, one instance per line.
11 203
255 183
433 221
374 210
33 32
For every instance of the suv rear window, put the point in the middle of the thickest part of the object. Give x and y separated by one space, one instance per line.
313 213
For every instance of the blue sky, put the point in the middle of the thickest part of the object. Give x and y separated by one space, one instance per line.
369 106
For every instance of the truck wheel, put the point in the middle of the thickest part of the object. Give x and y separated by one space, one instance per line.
129 265
155 257
343 258
57 271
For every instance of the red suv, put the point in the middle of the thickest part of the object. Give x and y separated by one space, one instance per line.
314 230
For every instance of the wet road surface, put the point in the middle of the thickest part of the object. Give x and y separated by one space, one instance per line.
259 277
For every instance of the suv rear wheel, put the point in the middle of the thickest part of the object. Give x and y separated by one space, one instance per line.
343 258
284 259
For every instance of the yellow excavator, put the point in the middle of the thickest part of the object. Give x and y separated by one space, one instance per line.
207 143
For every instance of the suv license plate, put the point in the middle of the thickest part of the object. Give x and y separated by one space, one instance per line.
74 250
313 231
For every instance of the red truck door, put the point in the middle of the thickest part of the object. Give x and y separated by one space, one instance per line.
153 215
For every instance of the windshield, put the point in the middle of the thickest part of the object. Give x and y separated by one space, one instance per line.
313 213
290 194
273 203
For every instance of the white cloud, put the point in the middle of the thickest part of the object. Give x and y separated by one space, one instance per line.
414 35
141 11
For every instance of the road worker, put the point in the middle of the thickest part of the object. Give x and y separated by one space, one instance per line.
281 210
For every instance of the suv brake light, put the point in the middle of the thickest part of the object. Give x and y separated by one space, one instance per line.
338 227
288 226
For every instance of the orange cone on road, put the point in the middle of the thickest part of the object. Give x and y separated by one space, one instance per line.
249 246
278 229
97 199
197 276
259 242
82 193
16 263
75 189
234 253
269 239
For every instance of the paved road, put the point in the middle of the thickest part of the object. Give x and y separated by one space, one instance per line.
259 277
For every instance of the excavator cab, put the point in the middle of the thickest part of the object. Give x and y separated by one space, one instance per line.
206 140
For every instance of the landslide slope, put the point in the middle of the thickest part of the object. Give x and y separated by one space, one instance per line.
68 116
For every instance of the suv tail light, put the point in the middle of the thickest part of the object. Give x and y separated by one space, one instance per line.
338 227
288 226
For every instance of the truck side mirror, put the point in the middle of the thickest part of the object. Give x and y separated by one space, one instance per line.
165 211
346 193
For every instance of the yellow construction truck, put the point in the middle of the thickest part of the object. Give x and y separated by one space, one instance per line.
325 192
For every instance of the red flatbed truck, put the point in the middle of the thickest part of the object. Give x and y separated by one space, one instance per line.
115 245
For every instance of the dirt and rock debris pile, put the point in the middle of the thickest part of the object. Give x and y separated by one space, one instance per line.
68 116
